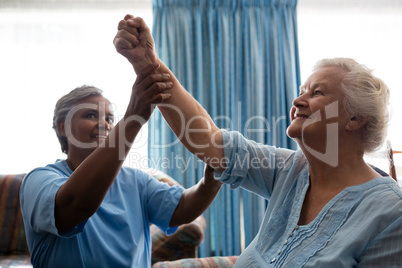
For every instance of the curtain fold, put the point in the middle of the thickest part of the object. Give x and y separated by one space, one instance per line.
240 60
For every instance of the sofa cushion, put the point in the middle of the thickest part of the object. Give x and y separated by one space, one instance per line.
12 233
16 261
211 262
182 244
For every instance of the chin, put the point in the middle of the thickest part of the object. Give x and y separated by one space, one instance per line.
293 132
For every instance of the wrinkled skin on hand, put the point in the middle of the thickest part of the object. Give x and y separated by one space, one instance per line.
134 41
210 178
148 90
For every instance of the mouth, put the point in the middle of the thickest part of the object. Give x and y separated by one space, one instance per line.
100 137
300 117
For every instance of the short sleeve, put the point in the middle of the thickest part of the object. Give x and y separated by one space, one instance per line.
162 202
37 195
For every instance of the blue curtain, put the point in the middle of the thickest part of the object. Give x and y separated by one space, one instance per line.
240 60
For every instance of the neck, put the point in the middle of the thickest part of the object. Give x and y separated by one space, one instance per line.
72 164
343 169
74 160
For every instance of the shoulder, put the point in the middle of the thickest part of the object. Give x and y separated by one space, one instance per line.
381 222
389 193
148 174
381 200
47 173
59 167
145 177
39 187
128 171
140 174
380 188
129 175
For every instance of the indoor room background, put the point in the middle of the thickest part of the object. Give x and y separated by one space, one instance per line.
47 48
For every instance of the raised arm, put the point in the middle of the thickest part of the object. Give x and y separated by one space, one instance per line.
82 194
186 117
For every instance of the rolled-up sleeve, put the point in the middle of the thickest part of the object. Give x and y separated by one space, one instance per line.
162 202
250 165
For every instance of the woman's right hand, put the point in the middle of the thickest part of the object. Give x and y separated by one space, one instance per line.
149 90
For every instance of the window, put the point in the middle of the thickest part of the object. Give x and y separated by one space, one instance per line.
45 53
367 31
48 48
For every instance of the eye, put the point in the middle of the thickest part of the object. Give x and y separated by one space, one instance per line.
90 115
110 119
318 92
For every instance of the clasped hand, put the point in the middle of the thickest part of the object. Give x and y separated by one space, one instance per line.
148 91
134 41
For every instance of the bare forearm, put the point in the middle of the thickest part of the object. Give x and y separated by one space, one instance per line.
192 124
186 117
96 171
195 201
86 188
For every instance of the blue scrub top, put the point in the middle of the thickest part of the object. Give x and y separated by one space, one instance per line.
117 235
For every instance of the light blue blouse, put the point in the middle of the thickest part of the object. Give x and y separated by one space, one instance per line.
360 227
117 235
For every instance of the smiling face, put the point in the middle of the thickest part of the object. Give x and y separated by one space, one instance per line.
320 103
87 125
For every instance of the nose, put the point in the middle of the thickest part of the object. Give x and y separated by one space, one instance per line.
104 124
108 126
300 101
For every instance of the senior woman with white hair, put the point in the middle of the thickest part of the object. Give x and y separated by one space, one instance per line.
327 207
88 210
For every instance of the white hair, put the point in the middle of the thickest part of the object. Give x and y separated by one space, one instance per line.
365 96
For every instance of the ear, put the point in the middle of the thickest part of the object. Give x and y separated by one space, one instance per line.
61 128
356 122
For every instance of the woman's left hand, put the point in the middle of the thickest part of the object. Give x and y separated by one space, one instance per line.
209 178
195 200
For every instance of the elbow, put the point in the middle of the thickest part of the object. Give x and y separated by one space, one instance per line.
71 214
182 214
179 219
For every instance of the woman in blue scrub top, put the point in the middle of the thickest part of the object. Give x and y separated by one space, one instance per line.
88 210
